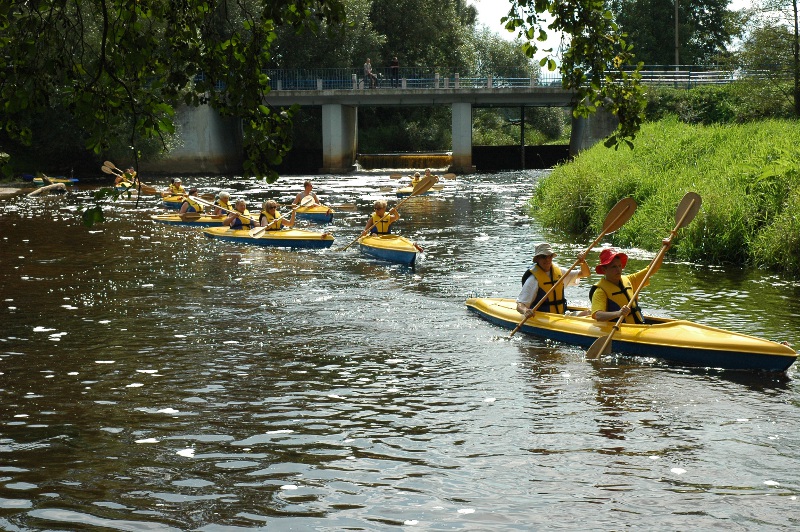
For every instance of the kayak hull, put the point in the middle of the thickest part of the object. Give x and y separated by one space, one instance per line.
172 202
285 238
201 221
320 214
391 248
406 191
679 341
39 182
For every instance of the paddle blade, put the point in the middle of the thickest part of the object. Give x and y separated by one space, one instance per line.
110 165
396 176
619 214
687 209
305 202
257 232
449 176
600 347
424 185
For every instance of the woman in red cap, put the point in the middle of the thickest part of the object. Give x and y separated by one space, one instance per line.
538 280
611 295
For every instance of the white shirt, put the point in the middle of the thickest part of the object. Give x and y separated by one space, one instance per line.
531 286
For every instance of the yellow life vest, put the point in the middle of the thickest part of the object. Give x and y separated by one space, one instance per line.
177 189
224 205
273 224
193 204
555 301
242 220
619 296
381 224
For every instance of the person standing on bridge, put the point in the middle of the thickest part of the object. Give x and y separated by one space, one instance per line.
394 66
373 79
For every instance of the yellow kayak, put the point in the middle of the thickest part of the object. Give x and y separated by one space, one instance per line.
190 218
680 341
392 248
315 213
287 237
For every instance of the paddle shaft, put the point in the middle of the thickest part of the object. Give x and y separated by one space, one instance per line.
607 228
593 351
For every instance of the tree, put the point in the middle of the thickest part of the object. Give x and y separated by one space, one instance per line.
115 62
705 29
597 63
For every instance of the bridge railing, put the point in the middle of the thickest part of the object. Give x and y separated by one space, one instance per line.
411 78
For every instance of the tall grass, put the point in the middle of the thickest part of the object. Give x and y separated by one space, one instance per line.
748 176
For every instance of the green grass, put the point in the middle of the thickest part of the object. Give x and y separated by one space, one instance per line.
748 176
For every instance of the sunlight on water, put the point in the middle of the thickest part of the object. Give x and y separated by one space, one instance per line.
154 379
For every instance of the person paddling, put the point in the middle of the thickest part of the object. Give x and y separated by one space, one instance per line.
176 188
271 217
307 191
611 295
538 280
239 219
380 221
190 203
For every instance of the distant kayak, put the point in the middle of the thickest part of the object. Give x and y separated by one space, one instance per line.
391 248
190 218
315 213
287 238
40 182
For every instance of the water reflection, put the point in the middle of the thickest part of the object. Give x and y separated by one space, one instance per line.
153 379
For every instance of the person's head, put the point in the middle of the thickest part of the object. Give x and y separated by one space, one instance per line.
129 170
612 261
241 205
427 172
270 206
543 256
176 181
308 186
225 196
368 60
193 192
380 206
416 175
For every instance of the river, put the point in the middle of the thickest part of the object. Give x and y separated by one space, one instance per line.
152 379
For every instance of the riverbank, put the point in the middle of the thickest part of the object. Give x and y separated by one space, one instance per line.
748 176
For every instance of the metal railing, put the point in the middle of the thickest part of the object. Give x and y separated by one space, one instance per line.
411 78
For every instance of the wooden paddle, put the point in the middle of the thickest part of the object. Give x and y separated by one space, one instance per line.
422 187
449 176
229 211
684 214
616 218
147 189
396 176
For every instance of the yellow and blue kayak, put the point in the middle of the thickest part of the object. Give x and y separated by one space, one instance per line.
391 248
191 218
172 202
285 238
39 182
406 191
679 341
315 213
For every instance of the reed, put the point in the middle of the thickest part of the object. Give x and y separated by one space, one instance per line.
747 174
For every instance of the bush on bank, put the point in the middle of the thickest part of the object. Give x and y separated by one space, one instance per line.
748 176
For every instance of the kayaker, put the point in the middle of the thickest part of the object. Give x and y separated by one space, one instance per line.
538 280
380 221
610 296
415 179
190 204
240 219
176 188
307 191
271 217
223 204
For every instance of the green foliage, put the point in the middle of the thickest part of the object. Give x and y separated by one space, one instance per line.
748 176
597 64
127 63
740 101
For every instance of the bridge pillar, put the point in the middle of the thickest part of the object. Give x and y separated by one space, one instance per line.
339 138
586 132
462 138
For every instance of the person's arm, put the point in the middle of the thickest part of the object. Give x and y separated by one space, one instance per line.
290 221
369 225
393 215
316 199
184 207
600 304
526 295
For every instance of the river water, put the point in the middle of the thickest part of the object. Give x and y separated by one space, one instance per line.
151 379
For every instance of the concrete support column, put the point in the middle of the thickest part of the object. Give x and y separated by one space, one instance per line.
462 139
339 138
586 132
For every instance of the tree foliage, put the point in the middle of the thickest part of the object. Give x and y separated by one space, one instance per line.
597 62
705 29
112 62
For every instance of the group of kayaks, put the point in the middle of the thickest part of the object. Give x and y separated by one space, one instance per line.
387 247
682 342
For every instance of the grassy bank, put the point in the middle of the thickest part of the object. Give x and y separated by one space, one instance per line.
748 176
